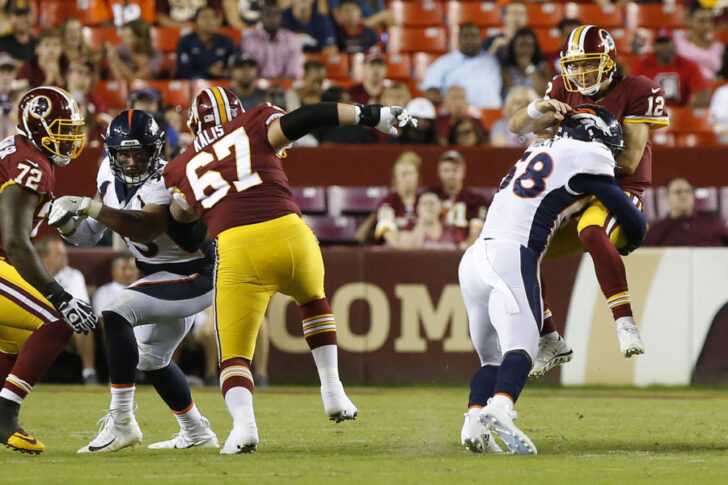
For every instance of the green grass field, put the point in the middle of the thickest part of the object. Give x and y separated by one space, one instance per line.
402 436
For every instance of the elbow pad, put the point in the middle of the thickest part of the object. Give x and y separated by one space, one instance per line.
301 121
187 235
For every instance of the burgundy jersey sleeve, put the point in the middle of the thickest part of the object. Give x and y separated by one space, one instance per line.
646 103
23 165
555 89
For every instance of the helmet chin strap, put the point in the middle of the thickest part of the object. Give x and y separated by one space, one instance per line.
591 91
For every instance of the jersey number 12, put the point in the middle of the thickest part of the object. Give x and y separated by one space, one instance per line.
236 139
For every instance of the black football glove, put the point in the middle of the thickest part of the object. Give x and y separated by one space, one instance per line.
76 313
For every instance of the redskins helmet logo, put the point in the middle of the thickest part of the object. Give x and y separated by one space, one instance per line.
40 107
607 40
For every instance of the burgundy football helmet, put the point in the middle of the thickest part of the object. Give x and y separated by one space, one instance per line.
588 43
213 106
51 120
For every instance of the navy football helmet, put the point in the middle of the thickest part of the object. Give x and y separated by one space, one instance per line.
134 143
589 122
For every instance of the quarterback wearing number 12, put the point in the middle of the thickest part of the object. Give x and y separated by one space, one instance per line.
233 178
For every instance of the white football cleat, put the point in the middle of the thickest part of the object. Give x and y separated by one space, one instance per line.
551 352
115 433
500 422
475 436
201 436
243 438
630 342
337 405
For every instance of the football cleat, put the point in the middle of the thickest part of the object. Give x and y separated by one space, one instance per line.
500 422
337 405
200 436
115 433
475 436
551 352
630 342
243 438
24 443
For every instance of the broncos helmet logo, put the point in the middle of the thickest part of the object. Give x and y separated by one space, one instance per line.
589 119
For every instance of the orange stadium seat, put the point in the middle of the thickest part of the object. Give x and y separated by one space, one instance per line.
654 16
627 59
689 120
607 16
176 92
165 39
623 40
311 200
337 65
399 66
484 14
234 34
114 93
199 84
430 39
544 14
96 36
169 65
354 200
549 40
420 62
488 116
418 14
51 13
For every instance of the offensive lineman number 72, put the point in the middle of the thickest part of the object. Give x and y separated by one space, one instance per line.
236 139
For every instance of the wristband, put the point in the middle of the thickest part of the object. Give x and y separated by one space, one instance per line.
369 115
93 208
533 112
54 292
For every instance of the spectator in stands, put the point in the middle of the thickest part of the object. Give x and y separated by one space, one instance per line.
342 134
54 256
74 45
5 26
429 232
683 226
374 13
352 35
277 51
396 212
314 75
240 14
525 65
204 53
80 78
454 109
719 113
699 45
150 100
19 43
395 94
374 74
8 71
46 68
123 273
500 134
476 71
515 17
180 14
681 79
315 30
565 26
134 58
244 72
467 133
463 210
424 133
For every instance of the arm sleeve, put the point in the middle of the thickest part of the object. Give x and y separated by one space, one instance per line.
301 121
606 190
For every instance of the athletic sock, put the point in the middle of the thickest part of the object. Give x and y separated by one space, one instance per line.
482 386
551 336
512 375
122 400
319 330
34 358
121 348
236 383
610 271
171 385
503 401
188 418
239 401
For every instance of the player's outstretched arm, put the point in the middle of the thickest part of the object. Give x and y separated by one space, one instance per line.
616 201
635 137
138 225
538 116
292 126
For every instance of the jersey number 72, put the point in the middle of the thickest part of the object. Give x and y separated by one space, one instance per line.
239 141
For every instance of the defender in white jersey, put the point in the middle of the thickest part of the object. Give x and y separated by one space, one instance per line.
150 318
500 274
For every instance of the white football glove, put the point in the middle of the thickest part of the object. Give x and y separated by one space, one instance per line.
390 117
64 209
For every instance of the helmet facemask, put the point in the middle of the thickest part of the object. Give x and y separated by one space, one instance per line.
578 81
133 164
64 141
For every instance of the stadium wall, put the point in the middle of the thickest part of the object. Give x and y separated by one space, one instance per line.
401 319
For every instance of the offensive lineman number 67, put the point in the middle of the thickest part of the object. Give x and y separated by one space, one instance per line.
212 178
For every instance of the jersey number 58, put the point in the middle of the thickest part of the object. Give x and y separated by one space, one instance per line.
236 139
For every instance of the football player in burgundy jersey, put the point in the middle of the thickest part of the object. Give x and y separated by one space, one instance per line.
589 76
38 315
233 179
